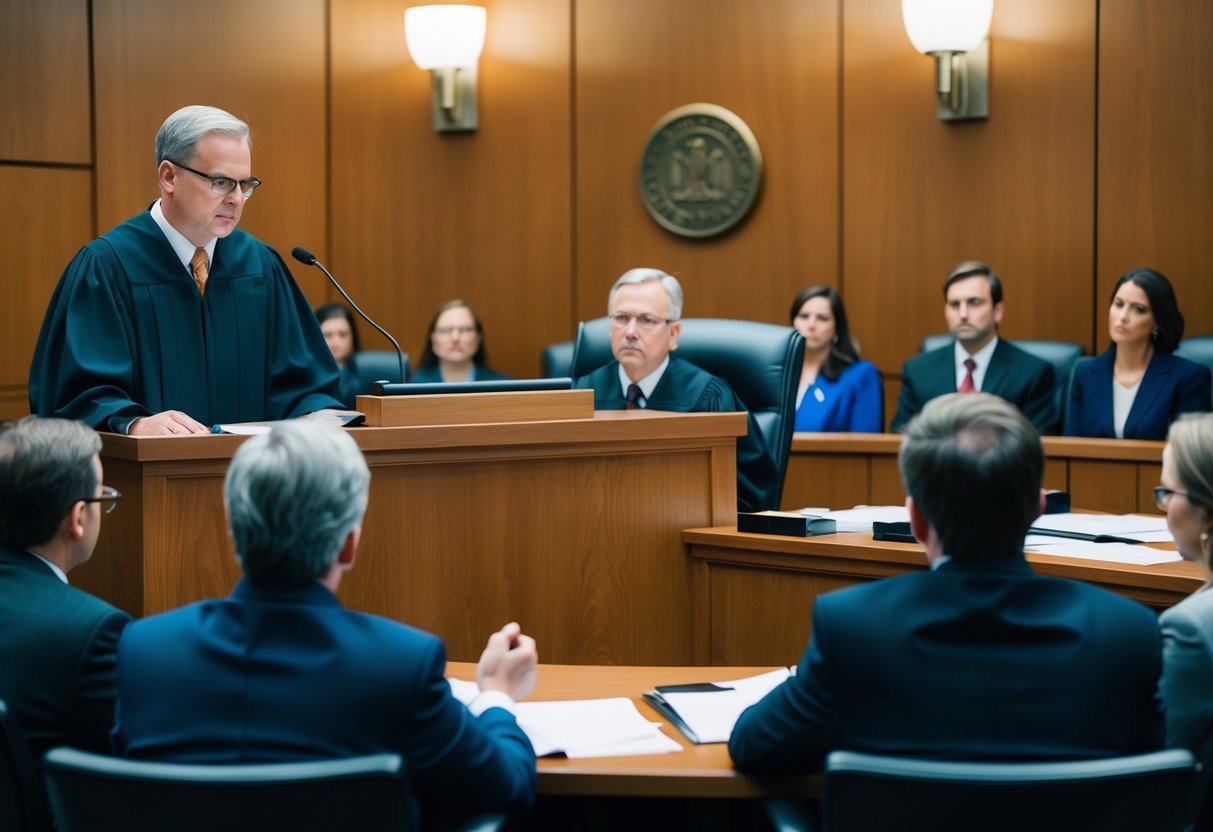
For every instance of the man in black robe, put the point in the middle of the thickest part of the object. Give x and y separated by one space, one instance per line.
176 320
645 306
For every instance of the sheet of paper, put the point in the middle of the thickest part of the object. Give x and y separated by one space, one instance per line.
584 727
712 715
591 728
1115 552
1120 525
861 518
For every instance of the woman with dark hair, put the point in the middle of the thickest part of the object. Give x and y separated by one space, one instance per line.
1185 493
1136 388
839 391
341 334
454 349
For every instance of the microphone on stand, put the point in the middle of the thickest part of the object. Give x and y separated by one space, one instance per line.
308 259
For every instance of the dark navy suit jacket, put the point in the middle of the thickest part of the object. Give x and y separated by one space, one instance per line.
969 662
1171 385
430 375
278 675
57 647
1014 374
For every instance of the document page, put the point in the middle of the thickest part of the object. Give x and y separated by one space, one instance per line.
709 715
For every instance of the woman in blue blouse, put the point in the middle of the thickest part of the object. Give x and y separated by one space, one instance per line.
839 391
1136 388
341 334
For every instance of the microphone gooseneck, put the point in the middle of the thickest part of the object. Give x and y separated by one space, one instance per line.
308 259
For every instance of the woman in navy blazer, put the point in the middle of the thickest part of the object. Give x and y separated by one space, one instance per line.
454 347
1136 388
839 391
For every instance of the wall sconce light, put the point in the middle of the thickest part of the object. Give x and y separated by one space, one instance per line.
447 40
955 33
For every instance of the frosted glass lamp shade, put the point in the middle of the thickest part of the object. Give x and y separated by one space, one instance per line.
947 25
444 36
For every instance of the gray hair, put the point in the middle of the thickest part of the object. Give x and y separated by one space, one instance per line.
1191 441
178 137
293 495
973 464
673 289
46 467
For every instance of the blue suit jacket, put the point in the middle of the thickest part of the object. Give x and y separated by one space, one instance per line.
1171 385
277 675
1014 374
969 662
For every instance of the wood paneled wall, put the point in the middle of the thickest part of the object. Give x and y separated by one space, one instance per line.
1094 159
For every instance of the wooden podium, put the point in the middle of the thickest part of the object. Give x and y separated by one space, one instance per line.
572 528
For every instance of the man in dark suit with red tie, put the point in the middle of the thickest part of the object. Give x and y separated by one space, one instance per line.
978 360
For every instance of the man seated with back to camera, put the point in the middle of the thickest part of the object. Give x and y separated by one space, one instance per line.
978 657
644 307
279 671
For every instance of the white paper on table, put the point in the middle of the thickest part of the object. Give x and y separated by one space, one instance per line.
1115 552
1120 525
591 728
465 692
712 715
861 518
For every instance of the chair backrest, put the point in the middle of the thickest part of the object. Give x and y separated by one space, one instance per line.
379 365
556 360
93 793
760 361
22 803
1075 369
1061 354
1198 348
1129 794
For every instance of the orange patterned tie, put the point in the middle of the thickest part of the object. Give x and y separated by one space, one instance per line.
198 267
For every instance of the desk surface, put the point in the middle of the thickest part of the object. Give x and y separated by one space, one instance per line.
696 771
856 553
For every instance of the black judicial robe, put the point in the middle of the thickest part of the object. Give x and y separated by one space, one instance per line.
685 388
127 335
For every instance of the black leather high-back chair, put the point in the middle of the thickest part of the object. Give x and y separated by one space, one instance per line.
1198 348
22 803
94 793
760 361
894 794
379 365
1061 354
556 360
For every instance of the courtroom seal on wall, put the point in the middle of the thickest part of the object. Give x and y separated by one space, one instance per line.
700 170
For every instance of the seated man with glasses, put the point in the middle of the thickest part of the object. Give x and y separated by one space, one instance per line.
176 320
645 306
57 644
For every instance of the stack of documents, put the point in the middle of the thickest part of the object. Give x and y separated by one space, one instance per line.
707 712
583 727
1109 537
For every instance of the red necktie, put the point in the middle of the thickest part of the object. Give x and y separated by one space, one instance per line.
633 397
967 386
198 267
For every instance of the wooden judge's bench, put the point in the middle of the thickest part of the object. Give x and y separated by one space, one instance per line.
570 526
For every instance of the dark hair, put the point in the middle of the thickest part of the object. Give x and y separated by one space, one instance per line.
46 467
428 359
974 268
973 465
1163 305
842 351
336 310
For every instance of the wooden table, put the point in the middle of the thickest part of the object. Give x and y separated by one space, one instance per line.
840 470
569 527
754 593
698 771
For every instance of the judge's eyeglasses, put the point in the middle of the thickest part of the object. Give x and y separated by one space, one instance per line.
224 184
